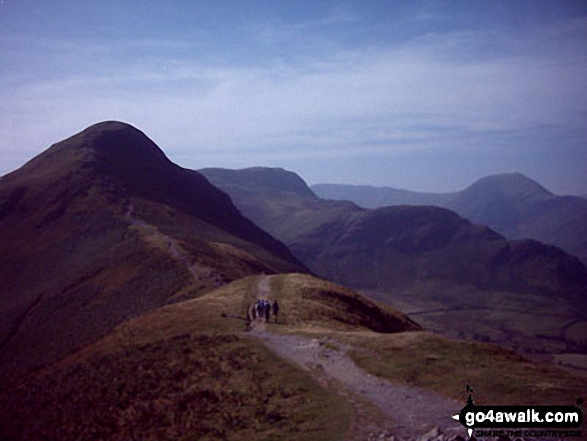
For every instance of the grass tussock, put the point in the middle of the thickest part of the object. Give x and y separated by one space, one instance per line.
498 376
185 387
309 302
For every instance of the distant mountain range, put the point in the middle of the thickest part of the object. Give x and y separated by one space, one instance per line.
102 227
395 246
511 204
423 258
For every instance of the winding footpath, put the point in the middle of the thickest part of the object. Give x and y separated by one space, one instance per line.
173 248
383 410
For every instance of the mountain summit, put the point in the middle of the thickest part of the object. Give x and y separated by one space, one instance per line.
124 158
102 227
499 200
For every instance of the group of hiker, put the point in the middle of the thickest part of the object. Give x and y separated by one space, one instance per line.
263 308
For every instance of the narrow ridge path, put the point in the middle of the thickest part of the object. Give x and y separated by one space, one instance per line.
384 411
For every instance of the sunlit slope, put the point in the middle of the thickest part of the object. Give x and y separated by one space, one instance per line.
191 371
187 370
446 366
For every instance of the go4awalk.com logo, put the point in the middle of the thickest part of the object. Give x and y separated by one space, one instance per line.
521 421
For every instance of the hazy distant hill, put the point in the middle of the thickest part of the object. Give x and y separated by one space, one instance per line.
278 200
455 277
102 227
368 196
511 204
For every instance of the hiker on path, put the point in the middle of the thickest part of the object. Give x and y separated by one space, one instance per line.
267 310
260 308
275 309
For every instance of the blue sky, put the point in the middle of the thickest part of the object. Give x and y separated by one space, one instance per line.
428 95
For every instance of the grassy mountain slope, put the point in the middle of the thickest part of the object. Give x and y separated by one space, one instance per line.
188 371
102 227
511 204
309 302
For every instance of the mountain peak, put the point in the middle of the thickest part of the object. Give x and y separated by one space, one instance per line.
116 141
111 146
120 159
499 200
515 185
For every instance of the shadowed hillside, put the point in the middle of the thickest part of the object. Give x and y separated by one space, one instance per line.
102 227
394 246
511 204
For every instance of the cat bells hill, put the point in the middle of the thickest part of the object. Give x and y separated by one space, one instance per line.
102 227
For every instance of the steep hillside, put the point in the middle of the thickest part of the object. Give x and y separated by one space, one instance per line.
510 204
277 200
102 227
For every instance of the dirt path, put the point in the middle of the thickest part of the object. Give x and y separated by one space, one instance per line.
383 410
172 247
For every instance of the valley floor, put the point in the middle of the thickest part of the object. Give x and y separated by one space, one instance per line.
544 336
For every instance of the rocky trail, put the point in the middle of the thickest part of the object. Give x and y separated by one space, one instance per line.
383 410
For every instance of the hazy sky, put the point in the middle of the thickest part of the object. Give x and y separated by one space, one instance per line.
424 95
